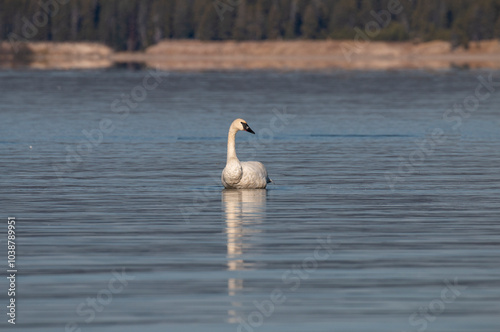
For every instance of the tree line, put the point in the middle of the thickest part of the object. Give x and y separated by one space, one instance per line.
137 24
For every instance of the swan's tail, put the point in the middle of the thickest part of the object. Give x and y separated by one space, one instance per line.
269 180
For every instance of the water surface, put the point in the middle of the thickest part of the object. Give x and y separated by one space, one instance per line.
360 232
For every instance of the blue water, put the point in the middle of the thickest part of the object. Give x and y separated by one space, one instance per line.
384 214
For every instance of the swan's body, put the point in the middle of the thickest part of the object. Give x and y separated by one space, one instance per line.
242 175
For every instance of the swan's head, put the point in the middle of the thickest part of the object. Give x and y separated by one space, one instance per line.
241 124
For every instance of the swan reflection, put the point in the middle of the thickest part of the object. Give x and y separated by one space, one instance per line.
244 209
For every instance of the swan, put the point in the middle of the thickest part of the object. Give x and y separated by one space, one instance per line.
242 175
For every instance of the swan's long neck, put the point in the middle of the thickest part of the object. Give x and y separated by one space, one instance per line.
231 148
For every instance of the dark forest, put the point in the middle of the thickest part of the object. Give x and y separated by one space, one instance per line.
137 24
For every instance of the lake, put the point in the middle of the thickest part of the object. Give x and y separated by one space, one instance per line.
383 214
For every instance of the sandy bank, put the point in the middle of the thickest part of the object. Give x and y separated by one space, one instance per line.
248 55
293 55
46 55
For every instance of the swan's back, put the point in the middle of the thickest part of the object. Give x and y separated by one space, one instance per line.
254 175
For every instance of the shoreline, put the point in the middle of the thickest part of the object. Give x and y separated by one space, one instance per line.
191 55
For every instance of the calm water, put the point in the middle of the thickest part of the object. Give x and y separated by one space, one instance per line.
363 230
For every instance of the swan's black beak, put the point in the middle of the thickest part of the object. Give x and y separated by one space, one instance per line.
246 127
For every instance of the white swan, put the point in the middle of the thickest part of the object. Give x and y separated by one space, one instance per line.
242 175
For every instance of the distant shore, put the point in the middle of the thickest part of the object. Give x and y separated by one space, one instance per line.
191 55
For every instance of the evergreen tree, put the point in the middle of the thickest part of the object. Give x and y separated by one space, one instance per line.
240 25
293 24
497 29
274 22
208 26
182 23
255 22
343 20
226 25
310 25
